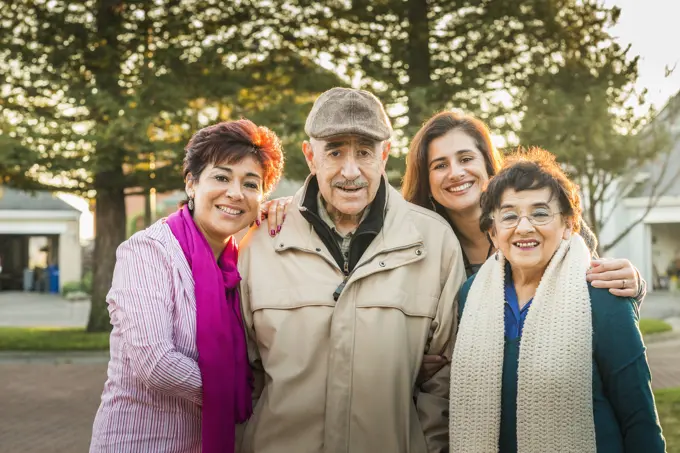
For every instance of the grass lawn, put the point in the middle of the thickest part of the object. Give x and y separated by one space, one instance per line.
51 339
648 326
668 405
56 339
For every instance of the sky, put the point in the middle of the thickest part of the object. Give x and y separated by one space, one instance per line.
651 27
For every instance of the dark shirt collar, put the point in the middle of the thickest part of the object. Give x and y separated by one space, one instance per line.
372 222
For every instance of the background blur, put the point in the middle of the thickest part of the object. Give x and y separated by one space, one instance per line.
99 97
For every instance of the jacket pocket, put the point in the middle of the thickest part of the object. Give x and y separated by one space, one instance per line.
290 298
411 304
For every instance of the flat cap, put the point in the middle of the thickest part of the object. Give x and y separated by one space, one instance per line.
346 111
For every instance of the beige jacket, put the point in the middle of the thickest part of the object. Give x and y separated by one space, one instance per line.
340 377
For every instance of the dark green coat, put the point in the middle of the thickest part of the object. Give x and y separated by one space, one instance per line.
623 403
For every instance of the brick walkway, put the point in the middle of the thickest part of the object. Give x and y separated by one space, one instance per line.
49 408
664 360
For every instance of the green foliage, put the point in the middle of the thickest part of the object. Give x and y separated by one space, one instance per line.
85 285
668 407
86 282
110 84
582 110
100 97
651 326
71 287
48 339
422 56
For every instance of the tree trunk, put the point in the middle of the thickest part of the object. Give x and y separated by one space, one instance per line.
594 220
147 208
110 224
418 65
109 214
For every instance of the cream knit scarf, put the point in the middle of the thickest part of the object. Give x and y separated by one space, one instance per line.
554 395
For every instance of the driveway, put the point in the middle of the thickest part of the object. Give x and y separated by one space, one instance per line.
661 305
19 309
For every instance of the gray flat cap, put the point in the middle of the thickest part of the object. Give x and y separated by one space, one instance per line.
346 111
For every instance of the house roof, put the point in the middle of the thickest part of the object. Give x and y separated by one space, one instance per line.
13 199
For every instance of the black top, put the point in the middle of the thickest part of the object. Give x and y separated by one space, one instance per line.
367 231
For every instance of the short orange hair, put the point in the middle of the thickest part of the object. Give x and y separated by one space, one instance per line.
231 142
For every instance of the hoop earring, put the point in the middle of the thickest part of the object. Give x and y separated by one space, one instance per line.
191 204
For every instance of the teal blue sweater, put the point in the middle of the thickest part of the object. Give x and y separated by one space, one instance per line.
623 403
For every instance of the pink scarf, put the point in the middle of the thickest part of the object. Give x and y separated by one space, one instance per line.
220 338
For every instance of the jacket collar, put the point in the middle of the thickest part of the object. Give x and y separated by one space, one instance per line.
372 223
391 222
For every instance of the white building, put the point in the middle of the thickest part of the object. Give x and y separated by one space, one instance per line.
654 244
36 231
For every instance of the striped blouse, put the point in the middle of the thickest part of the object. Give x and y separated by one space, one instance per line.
152 397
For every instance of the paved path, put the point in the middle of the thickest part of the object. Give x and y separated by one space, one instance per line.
664 360
47 407
661 305
18 309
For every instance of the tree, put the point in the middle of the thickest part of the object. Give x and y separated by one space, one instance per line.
100 96
421 56
582 110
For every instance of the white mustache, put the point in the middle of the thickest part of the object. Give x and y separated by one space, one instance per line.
352 184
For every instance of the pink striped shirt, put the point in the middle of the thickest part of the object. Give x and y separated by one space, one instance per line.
152 397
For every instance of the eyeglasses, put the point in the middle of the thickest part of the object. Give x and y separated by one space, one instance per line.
537 218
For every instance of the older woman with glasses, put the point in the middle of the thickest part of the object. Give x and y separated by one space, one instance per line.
543 360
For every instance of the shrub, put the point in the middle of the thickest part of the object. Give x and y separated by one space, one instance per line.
71 287
86 284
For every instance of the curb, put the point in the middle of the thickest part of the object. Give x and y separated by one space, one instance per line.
55 357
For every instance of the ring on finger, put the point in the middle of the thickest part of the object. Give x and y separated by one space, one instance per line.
623 283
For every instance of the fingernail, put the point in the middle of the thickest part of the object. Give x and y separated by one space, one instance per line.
278 229
272 233
257 222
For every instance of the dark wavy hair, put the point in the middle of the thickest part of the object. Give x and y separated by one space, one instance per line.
416 183
230 142
532 169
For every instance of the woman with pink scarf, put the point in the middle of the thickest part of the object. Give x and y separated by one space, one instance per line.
178 378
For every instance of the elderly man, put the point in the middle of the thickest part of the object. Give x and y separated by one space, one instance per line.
343 304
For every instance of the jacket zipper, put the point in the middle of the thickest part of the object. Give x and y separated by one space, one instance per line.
341 286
